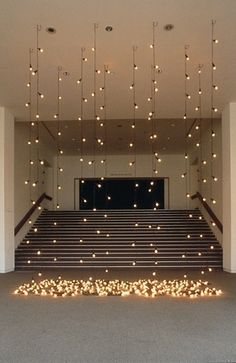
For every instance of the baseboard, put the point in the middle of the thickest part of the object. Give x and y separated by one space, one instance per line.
230 271
6 271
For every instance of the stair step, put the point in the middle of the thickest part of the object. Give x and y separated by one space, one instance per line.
168 235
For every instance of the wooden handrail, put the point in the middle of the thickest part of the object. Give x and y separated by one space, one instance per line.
31 211
209 210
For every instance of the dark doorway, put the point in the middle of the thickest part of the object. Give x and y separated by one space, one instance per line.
122 193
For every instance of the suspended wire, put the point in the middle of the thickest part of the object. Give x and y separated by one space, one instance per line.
104 123
199 108
59 134
30 139
154 93
133 123
213 110
94 94
81 119
186 97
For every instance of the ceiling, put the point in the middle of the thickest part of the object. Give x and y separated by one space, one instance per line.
132 25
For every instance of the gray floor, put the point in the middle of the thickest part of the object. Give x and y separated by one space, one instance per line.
117 329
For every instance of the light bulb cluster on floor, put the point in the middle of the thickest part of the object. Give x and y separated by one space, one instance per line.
101 287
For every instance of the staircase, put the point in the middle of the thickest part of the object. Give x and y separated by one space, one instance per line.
119 239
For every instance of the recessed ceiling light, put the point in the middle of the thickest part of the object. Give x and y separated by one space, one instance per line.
108 28
51 30
168 27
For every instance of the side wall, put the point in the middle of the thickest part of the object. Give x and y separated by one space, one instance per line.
22 193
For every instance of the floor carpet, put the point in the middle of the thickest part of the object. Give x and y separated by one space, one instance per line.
90 329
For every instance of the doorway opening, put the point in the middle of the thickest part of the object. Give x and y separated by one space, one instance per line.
117 193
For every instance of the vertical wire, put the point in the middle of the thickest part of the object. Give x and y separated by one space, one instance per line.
200 124
81 81
154 88
30 128
105 117
212 76
186 58
95 26
59 150
152 125
213 109
133 142
134 109
37 104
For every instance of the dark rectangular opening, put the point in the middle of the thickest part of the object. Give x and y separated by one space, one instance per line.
122 193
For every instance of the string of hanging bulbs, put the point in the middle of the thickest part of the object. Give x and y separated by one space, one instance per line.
96 72
200 143
134 104
214 88
28 104
83 100
187 97
154 91
34 160
57 116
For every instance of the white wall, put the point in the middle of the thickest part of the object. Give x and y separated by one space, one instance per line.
229 182
171 166
46 152
6 191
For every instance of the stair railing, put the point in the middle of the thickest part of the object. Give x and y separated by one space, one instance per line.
217 222
31 211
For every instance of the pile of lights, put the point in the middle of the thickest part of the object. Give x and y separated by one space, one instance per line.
144 287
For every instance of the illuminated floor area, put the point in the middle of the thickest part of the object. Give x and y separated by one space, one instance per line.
118 329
